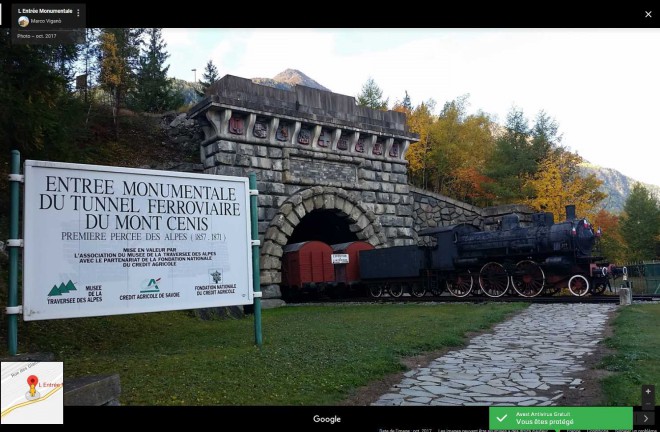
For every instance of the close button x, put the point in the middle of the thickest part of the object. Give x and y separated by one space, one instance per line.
648 14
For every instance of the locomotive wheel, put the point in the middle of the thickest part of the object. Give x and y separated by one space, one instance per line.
375 291
437 291
493 279
578 285
529 279
396 290
460 284
417 290
599 286
435 285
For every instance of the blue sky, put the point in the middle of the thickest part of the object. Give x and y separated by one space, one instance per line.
601 85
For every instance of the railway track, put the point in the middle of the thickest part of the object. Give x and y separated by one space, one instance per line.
452 299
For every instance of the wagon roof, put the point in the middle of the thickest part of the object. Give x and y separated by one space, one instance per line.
297 246
344 246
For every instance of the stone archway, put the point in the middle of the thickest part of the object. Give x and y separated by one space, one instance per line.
364 223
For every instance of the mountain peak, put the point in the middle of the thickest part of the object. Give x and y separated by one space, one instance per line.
288 78
616 185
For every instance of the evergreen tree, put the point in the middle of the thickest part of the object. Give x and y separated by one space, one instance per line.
640 224
153 91
406 103
545 136
372 96
210 76
404 106
512 161
89 55
38 112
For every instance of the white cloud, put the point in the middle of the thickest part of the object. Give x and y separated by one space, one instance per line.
178 37
268 52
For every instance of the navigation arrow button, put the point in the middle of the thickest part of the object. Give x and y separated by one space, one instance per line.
644 418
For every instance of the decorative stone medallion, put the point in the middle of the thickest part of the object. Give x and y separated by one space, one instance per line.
342 144
304 136
325 138
236 125
378 148
282 132
394 151
260 128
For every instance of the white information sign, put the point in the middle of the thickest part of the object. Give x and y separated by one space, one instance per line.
105 241
339 258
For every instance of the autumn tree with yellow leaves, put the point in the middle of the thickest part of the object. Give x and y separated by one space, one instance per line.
558 182
461 145
420 121
470 158
118 57
452 149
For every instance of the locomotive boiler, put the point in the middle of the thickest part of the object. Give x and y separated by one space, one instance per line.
528 260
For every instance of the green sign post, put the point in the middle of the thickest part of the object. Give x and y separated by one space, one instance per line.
13 243
256 275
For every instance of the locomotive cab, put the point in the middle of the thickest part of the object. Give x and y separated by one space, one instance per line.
446 251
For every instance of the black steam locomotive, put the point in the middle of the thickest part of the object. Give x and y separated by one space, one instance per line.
529 260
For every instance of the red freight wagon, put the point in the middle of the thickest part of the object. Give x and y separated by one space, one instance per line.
306 263
349 273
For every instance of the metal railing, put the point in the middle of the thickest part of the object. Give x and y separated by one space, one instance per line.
643 278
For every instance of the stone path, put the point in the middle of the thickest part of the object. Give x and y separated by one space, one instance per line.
530 359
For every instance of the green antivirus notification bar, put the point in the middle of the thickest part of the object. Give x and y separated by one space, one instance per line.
560 418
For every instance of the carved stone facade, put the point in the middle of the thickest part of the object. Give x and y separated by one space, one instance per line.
312 151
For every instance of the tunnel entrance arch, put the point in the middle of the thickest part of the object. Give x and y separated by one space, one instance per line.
296 218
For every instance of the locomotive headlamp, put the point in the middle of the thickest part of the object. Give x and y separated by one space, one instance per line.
573 232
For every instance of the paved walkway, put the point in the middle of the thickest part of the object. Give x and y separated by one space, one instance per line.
529 359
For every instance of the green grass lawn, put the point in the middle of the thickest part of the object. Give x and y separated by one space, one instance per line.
312 355
636 340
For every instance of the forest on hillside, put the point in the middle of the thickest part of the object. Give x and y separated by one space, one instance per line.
469 157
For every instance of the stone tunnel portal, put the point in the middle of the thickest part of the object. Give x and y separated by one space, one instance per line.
327 169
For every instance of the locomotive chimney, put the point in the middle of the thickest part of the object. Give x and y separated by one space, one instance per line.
570 212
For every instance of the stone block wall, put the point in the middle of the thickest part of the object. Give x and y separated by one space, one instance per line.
433 210
493 215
